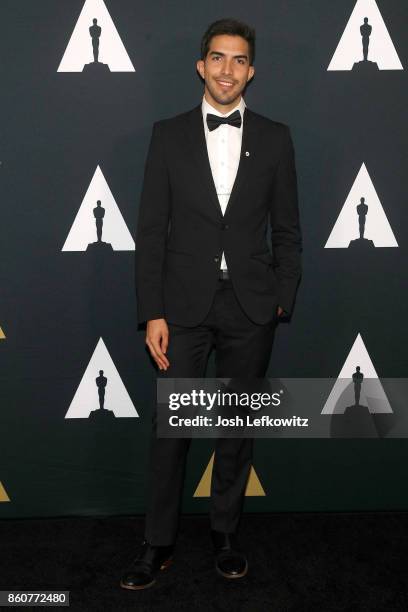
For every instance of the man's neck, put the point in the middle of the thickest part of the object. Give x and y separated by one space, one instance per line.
222 108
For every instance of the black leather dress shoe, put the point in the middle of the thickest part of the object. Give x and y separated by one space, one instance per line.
151 559
230 561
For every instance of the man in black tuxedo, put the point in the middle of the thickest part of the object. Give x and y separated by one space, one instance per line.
205 276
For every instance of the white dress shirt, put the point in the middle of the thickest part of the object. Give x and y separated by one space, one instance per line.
224 151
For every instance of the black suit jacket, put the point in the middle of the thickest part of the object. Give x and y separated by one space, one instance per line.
181 231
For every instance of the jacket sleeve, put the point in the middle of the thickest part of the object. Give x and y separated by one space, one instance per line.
152 230
285 226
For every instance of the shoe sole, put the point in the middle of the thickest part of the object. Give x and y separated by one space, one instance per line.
232 576
165 565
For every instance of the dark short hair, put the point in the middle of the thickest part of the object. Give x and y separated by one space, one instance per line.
232 27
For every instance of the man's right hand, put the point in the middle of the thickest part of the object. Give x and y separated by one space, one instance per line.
157 339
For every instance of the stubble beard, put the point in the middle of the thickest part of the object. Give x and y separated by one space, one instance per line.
226 98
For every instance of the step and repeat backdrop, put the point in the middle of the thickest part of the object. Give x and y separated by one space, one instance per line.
82 83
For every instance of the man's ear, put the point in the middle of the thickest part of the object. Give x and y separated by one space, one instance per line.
251 73
200 68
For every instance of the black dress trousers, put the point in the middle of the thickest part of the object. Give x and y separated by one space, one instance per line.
242 349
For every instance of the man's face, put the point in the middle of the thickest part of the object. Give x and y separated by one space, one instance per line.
226 69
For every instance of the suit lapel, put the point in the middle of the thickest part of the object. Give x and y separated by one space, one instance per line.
196 136
246 159
195 130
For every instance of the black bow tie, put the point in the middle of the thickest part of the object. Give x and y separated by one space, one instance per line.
213 121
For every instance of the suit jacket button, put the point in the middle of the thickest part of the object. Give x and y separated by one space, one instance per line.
224 226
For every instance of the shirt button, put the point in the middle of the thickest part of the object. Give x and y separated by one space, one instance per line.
222 164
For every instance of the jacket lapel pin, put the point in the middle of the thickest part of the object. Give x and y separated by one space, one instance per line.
247 153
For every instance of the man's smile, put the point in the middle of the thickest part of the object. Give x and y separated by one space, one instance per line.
225 83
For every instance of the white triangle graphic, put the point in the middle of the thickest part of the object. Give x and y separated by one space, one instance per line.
372 392
79 50
86 398
114 230
377 228
380 49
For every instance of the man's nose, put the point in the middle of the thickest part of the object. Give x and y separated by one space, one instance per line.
227 67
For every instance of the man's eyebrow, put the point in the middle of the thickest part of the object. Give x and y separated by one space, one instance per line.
223 54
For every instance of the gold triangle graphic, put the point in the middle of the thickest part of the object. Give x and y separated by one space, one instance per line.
253 488
2 334
3 495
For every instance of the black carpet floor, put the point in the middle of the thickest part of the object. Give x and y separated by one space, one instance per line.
297 562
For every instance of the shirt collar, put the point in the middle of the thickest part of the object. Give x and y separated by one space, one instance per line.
207 108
